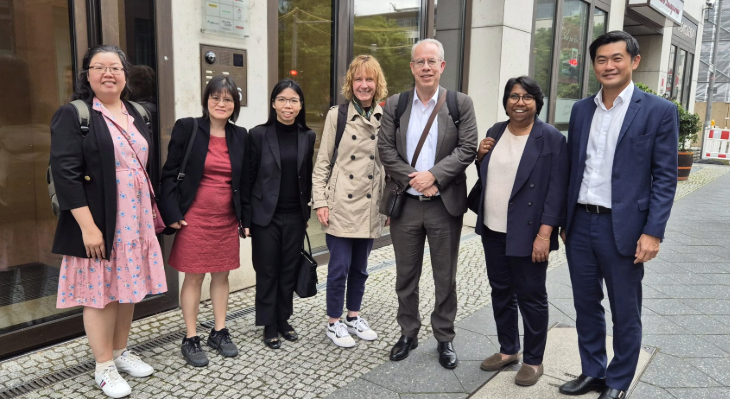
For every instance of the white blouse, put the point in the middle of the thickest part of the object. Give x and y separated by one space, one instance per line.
501 174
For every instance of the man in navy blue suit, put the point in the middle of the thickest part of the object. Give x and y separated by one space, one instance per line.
623 151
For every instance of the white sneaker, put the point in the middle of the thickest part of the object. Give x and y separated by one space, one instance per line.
130 363
113 385
361 328
338 334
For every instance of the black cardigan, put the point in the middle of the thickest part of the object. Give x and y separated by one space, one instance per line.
265 172
176 198
84 174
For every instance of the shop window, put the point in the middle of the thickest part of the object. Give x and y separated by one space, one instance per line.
387 31
688 80
679 76
571 60
543 49
600 19
670 71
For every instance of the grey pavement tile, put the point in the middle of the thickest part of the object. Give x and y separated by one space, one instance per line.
689 249
689 258
434 396
722 342
557 316
685 346
564 305
705 268
652 293
660 325
420 372
669 307
662 268
718 369
363 389
471 376
468 345
481 321
722 319
672 372
683 278
557 290
646 391
695 292
710 306
703 393
700 324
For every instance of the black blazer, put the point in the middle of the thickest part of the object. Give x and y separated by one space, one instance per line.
175 198
540 190
84 174
265 172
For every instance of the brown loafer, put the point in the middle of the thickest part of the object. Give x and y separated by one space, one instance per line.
495 362
527 376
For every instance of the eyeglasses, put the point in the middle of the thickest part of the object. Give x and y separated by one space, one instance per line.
293 101
432 62
217 100
101 69
527 98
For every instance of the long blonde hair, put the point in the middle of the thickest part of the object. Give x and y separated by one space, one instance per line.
371 67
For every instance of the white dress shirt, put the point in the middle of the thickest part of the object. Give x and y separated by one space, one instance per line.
418 121
501 176
595 188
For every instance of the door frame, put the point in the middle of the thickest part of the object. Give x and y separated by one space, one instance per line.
85 17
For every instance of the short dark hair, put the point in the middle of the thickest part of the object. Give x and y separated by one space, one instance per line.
284 84
530 85
222 84
632 46
83 89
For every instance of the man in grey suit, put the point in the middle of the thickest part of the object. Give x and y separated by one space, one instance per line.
435 200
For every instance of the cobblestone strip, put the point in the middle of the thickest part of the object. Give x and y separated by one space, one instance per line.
699 178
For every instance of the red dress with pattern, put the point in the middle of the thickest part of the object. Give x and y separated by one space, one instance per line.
210 243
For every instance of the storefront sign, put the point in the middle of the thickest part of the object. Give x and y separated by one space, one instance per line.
672 9
688 31
227 17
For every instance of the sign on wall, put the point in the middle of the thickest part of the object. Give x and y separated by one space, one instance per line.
226 17
671 9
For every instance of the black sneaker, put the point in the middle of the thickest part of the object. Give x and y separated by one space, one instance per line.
221 341
193 353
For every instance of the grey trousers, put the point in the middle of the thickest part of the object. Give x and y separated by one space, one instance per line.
418 221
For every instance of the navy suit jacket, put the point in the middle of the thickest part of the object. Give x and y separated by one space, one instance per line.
538 194
644 177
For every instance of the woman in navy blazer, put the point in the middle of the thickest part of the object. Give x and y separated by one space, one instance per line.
524 179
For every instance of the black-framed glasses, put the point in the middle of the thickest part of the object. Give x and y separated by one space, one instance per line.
283 100
432 62
526 98
114 70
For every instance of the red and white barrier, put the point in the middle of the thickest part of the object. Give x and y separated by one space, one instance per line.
716 144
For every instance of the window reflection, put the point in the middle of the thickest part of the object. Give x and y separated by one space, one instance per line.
679 76
449 30
543 49
571 60
670 72
599 28
388 31
305 55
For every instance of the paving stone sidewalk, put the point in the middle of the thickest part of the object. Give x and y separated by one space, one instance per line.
686 315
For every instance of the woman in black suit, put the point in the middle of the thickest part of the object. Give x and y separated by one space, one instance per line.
207 209
105 230
524 179
280 156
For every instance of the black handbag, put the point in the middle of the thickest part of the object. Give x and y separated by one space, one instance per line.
307 278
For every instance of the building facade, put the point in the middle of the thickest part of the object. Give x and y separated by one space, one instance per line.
259 42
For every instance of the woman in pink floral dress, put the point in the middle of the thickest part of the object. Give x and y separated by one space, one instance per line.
106 232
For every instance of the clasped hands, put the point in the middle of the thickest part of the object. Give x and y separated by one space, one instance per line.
423 182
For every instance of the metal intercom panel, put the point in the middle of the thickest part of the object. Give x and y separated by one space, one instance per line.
226 61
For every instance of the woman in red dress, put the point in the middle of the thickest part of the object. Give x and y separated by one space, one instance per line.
205 205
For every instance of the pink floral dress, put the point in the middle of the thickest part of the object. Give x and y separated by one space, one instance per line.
135 267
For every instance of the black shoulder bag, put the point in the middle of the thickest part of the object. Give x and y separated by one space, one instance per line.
307 278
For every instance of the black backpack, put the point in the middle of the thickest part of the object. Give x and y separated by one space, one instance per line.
400 108
82 109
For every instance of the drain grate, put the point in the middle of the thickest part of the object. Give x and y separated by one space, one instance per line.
83 368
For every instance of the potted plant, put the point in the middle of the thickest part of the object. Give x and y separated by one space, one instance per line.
689 125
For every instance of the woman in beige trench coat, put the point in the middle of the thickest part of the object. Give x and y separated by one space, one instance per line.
348 198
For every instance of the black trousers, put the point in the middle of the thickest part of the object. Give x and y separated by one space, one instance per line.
516 281
275 255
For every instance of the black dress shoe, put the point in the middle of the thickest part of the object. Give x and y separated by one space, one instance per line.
287 331
403 347
582 385
610 393
273 343
447 355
